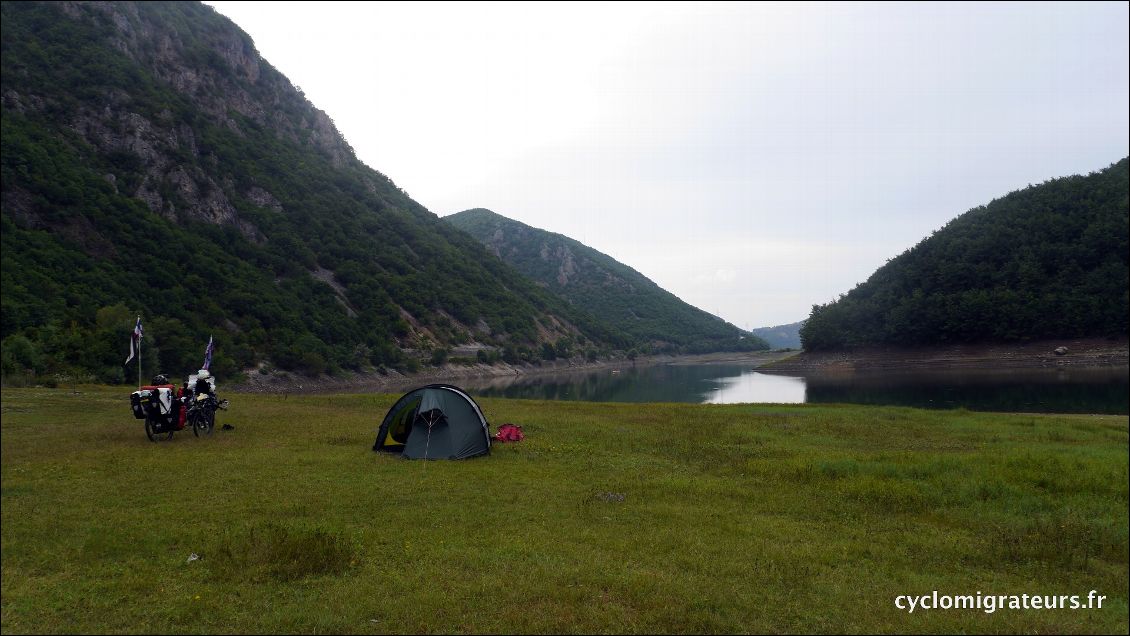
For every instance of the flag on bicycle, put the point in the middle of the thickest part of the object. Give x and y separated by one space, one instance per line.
135 341
208 354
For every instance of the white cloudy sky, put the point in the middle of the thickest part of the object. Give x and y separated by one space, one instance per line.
754 159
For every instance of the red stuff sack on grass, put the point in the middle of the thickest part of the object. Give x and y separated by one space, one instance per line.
509 433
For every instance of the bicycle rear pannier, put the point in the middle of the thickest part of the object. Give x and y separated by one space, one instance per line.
137 402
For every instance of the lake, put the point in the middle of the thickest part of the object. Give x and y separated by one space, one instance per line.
1078 390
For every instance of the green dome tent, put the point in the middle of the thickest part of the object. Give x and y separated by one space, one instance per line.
438 421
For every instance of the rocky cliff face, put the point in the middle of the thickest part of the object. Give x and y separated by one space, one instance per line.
234 78
234 86
555 255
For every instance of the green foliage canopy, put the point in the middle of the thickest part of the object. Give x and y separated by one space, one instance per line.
1049 261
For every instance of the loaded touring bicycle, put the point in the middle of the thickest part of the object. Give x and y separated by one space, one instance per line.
165 412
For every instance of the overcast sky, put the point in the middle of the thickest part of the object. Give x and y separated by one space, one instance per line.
753 159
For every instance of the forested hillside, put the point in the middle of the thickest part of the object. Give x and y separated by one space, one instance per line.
655 319
154 164
1049 261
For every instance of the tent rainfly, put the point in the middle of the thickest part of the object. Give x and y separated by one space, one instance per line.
438 421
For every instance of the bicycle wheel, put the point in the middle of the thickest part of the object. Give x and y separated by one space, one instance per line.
153 435
203 423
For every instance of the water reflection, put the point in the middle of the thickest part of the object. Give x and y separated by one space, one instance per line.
1046 390
1102 390
663 383
752 386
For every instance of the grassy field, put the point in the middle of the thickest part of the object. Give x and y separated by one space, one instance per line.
607 518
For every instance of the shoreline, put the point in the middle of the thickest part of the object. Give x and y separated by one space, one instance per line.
1081 353
393 381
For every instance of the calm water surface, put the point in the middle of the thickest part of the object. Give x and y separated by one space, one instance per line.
1100 390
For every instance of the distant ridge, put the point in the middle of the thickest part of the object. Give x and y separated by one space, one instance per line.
781 336
656 320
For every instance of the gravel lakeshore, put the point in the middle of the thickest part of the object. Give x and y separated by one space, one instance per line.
393 381
1093 352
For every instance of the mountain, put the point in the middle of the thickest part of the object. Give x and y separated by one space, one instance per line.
1048 261
153 163
656 320
781 336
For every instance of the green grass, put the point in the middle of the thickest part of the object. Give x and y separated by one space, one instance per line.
607 518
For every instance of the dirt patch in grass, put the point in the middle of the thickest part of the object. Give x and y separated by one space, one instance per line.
270 551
